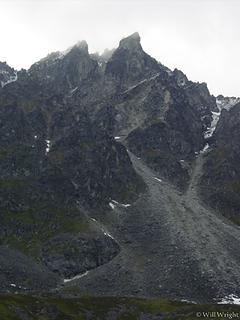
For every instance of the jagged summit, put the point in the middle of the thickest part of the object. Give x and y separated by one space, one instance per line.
82 45
130 64
134 36
131 42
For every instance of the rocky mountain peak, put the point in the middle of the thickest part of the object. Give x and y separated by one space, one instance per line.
82 45
129 63
131 42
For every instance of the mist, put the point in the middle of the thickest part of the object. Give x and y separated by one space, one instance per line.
199 37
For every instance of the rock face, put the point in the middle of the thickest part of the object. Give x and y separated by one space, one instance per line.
105 162
101 169
65 71
48 184
162 148
21 273
221 178
57 164
163 121
7 74
83 253
227 102
129 63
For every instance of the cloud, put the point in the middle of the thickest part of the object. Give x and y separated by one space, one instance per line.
199 37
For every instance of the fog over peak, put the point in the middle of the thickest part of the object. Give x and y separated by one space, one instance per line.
199 37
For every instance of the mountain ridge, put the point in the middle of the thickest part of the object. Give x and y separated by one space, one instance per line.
105 160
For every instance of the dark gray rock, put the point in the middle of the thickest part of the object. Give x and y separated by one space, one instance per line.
7 74
220 183
61 165
162 148
69 256
21 273
129 64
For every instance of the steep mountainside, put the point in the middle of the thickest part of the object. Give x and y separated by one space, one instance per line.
114 172
56 166
171 246
220 183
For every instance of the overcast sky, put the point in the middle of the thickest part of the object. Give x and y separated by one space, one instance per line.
200 37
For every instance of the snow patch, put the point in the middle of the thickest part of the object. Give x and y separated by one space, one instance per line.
48 142
231 299
108 235
73 90
227 102
121 204
188 301
139 83
13 285
103 229
215 118
159 180
205 148
79 276
117 138
112 205
210 131
11 79
224 103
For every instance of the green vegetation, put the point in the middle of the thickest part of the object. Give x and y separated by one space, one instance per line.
35 227
13 307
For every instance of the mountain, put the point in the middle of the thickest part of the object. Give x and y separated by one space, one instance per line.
118 177
7 74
